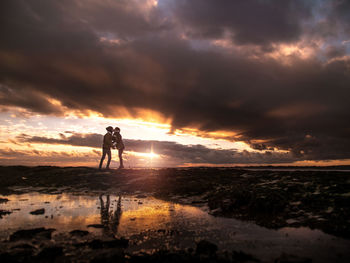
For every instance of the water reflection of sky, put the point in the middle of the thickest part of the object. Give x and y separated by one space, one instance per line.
67 212
151 224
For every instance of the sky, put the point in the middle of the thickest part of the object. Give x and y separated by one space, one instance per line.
189 82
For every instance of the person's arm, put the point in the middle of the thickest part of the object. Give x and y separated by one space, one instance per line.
114 141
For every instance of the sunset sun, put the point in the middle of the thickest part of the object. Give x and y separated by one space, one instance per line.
152 155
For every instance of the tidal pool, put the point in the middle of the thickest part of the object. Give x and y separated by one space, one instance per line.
151 224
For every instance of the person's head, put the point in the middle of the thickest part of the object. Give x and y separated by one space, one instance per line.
109 129
117 129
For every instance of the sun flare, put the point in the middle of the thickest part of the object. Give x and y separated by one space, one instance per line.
150 155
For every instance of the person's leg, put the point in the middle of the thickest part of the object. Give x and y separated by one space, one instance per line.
109 154
102 158
108 202
120 153
101 201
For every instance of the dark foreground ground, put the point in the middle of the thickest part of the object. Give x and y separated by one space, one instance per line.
270 198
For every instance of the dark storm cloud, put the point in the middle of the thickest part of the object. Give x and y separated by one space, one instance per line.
39 26
250 21
341 14
100 55
335 51
172 151
27 98
124 18
332 21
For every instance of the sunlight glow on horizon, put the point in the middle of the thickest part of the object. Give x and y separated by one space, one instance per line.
149 126
41 153
151 155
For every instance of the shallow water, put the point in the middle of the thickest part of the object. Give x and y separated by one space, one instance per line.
151 224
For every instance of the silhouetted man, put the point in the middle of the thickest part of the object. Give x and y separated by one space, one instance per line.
110 220
104 211
106 147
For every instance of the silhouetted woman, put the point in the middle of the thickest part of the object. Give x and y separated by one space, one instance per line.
109 219
119 145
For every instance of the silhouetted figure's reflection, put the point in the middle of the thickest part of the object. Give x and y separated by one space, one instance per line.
104 211
116 217
110 219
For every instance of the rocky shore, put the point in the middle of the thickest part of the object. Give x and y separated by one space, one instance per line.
273 199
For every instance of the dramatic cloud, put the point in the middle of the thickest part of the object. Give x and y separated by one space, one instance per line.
238 66
76 139
172 152
11 156
247 21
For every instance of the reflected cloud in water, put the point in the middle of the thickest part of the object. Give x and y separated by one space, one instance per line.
152 224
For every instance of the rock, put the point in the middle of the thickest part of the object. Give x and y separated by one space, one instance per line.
7 257
50 253
286 258
291 221
17 255
96 225
38 212
20 253
216 211
168 257
240 256
268 203
4 213
110 255
207 248
98 243
80 233
3 200
24 246
31 233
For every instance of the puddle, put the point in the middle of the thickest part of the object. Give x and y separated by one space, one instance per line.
151 224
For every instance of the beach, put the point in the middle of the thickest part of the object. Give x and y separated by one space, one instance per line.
82 214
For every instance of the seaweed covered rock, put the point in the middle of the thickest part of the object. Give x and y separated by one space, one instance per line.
40 232
50 253
205 247
268 203
236 198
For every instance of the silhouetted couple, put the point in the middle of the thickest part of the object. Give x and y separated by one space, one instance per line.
112 139
110 220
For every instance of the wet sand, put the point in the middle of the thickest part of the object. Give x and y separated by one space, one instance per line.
172 215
